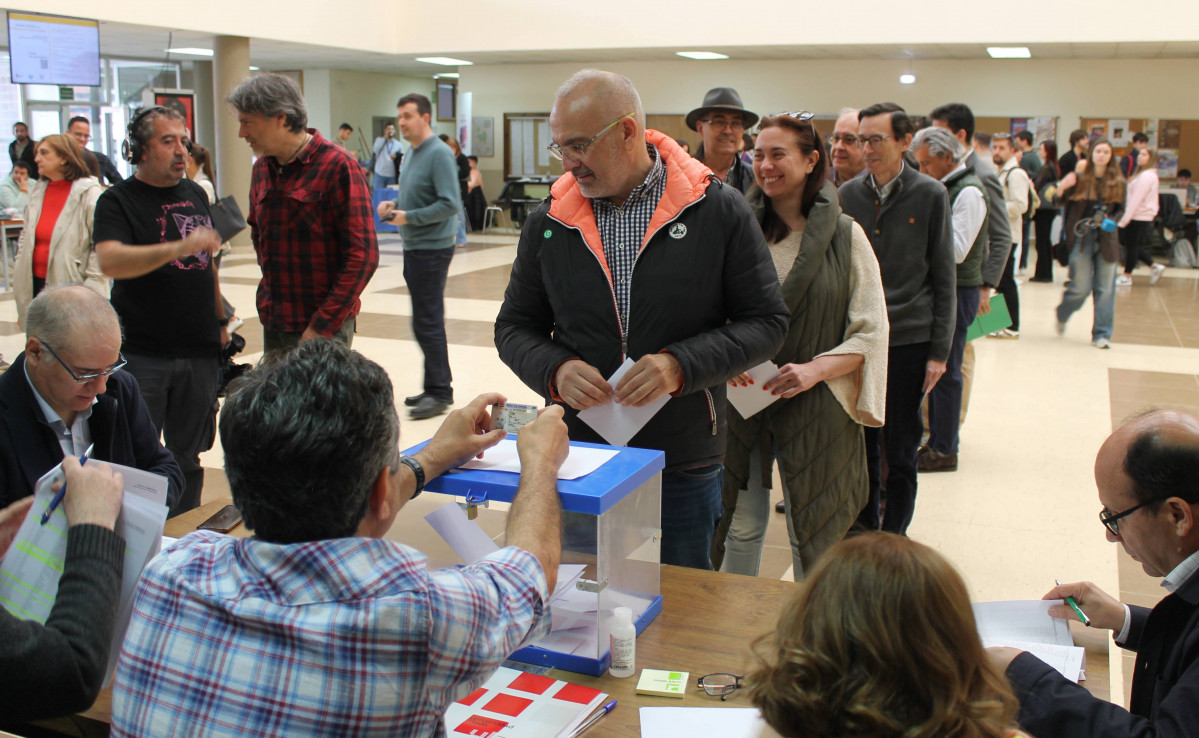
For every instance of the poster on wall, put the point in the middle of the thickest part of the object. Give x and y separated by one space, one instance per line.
1167 163
482 136
1097 129
1119 133
182 102
1018 124
1043 127
1169 134
462 124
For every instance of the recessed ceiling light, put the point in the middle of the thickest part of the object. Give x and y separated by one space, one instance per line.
190 51
1009 52
907 79
444 61
452 75
701 55
255 69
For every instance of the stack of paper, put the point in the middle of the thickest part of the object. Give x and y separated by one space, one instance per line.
1028 626
514 704
34 563
580 461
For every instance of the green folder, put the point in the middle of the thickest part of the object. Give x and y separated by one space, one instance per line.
996 320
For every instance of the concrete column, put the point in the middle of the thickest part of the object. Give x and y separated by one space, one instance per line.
231 65
205 103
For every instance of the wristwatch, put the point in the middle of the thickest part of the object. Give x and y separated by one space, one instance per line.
418 471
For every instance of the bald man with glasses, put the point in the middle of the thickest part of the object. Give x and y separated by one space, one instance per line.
1146 475
641 254
67 391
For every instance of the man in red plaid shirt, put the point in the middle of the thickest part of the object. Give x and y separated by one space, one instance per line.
310 218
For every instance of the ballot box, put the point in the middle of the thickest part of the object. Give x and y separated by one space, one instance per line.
611 542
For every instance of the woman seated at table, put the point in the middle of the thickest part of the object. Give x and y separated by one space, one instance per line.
56 246
881 641
14 189
833 364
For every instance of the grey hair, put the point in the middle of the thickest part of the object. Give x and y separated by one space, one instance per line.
56 312
306 434
612 90
144 130
940 142
269 95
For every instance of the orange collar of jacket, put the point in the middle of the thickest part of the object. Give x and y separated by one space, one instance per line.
687 179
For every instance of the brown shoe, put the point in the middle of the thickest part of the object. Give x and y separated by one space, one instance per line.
933 460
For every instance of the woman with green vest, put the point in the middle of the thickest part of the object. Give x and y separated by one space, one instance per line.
833 365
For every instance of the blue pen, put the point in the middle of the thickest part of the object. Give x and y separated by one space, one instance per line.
593 719
61 491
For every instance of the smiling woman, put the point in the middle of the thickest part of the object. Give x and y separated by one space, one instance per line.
832 364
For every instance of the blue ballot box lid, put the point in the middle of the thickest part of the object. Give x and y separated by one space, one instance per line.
593 494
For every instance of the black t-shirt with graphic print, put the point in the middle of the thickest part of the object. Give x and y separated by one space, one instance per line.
170 312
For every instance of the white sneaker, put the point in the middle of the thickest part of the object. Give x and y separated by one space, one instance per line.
1123 280
235 324
1156 273
1102 343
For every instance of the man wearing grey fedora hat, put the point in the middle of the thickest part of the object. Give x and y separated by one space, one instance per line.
720 121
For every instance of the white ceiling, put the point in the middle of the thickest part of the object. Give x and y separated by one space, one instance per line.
145 42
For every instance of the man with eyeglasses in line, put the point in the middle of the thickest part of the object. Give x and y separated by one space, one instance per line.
1145 473
426 210
907 217
66 392
846 155
641 253
80 129
722 121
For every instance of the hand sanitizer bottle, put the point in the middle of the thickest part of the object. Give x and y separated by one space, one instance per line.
623 643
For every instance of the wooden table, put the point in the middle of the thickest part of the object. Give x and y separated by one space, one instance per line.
708 624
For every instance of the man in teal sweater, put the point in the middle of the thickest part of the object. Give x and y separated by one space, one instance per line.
425 211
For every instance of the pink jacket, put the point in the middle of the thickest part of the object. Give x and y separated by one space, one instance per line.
1142 198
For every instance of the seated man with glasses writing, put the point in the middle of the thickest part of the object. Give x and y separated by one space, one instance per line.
66 392
1146 473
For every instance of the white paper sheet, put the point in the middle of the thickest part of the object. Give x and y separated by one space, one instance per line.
34 562
579 462
615 422
752 399
1067 660
464 536
703 722
1027 625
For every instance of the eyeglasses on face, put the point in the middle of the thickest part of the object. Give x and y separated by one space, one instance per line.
720 685
1111 520
91 376
874 140
733 124
577 151
848 139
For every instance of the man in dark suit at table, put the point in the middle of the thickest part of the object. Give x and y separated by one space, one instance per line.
1146 474
66 392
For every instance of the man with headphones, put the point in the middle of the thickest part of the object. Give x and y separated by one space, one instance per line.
154 237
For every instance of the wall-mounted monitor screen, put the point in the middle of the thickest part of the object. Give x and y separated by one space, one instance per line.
53 50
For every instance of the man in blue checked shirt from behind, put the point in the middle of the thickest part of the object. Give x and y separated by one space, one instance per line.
317 625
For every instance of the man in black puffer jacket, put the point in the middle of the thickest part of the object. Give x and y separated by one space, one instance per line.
641 254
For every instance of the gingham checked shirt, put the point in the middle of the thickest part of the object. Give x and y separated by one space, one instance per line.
342 637
313 231
623 228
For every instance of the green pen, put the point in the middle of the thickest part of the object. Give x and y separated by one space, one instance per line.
1074 606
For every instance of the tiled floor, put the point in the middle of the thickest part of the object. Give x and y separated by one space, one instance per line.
1020 511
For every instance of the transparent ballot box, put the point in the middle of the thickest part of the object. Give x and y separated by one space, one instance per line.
611 549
